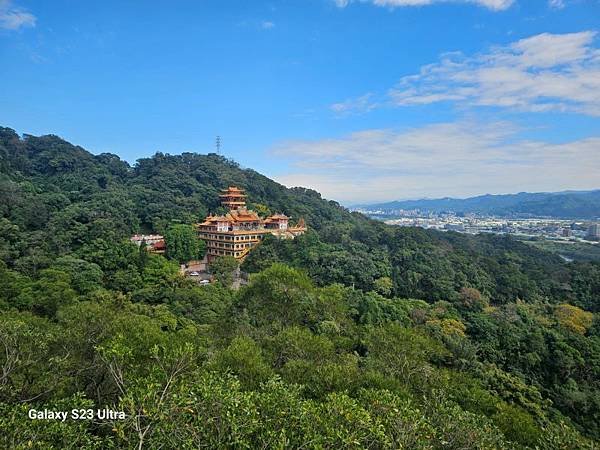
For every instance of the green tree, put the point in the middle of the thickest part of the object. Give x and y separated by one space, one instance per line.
243 357
383 286
183 243
85 276
573 318
223 269
46 294
279 295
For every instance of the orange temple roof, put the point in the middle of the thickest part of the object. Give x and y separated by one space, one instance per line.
243 215
211 220
278 217
232 191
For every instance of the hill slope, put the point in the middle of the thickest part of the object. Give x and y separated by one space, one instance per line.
66 198
58 198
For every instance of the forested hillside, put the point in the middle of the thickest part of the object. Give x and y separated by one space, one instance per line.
355 335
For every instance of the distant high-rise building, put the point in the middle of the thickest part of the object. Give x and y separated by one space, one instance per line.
593 231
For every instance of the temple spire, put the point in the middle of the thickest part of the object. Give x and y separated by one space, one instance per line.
233 197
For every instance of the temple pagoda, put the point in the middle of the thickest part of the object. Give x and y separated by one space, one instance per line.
240 229
233 198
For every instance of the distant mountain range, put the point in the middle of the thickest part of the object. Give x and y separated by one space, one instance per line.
566 204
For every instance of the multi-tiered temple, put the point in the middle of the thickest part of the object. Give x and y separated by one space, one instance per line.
233 198
240 229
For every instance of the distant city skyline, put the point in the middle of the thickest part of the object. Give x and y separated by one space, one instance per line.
364 101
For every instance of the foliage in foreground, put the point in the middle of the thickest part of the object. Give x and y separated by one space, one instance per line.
278 364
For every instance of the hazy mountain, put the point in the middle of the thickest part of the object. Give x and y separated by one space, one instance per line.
566 204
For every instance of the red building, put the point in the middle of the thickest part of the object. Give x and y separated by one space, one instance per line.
155 243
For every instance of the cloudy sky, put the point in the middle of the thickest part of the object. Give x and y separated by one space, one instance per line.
362 100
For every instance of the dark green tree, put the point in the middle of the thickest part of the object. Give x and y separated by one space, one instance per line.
183 243
223 269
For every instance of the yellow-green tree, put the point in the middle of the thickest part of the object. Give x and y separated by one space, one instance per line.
573 318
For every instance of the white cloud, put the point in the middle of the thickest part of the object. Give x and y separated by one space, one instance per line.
546 72
458 159
266 25
556 4
13 18
494 5
363 103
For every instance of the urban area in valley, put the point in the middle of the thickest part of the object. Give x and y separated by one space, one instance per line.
535 229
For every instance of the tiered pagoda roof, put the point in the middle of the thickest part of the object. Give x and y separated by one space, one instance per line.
211 220
278 217
243 215
232 190
233 197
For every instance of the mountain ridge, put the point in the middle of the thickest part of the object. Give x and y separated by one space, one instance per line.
569 204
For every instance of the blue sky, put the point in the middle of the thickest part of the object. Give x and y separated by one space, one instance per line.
364 100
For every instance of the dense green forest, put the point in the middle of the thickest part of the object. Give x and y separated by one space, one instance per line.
354 335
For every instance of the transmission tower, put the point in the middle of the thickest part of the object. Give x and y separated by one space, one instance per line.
218 144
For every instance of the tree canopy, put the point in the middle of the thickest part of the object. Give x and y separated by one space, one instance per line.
183 243
354 335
